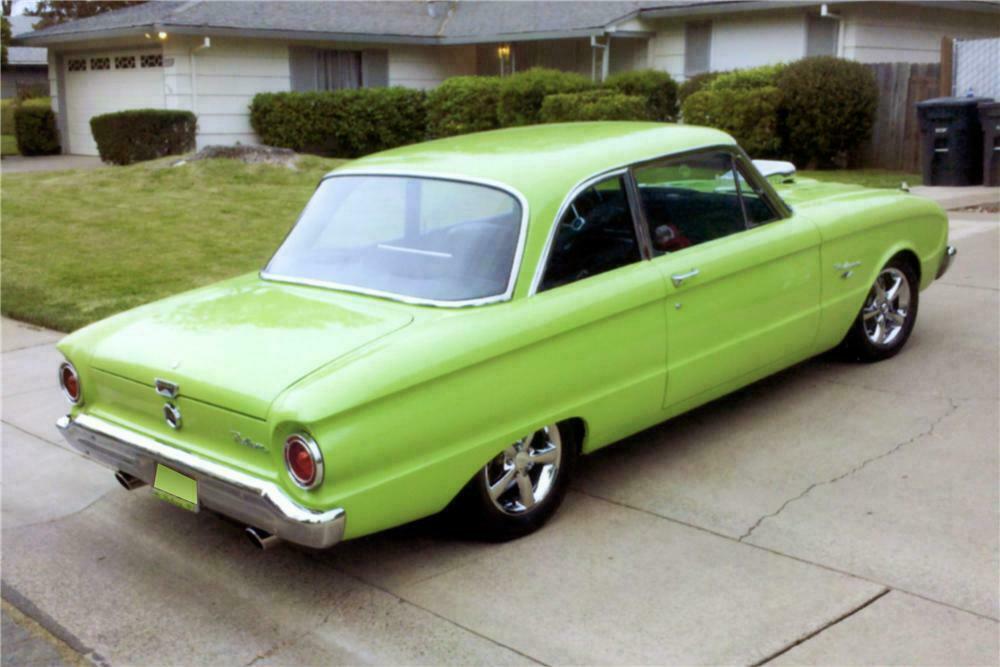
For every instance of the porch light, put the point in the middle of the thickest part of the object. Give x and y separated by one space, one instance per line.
161 35
503 51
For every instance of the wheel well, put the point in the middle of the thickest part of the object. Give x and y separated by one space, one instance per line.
910 258
578 428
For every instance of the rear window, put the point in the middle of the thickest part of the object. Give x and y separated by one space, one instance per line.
405 236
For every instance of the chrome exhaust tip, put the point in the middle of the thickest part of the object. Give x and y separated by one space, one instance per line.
261 539
128 482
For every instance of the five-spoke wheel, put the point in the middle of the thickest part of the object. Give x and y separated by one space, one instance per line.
888 314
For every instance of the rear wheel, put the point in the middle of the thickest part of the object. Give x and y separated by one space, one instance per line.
522 486
888 314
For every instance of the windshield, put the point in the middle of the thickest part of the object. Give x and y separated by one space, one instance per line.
405 236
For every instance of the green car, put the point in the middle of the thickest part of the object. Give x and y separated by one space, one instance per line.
450 325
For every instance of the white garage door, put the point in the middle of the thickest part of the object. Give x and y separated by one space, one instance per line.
99 83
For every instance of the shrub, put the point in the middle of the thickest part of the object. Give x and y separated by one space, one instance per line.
657 88
35 130
135 135
9 106
522 94
746 79
463 104
829 108
340 123
695 84
751 116
593 105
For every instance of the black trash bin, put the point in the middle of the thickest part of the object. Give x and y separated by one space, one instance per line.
989 120
951 140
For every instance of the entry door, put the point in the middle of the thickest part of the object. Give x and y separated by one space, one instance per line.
743 283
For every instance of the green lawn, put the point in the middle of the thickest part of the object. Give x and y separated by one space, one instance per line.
871 178
78 246
8 145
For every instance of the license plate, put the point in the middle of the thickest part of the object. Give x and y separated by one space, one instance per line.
175 488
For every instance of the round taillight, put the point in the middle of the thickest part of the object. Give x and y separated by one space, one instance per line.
70 382
304 461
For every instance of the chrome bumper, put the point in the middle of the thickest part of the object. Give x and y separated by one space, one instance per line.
946 260
248 499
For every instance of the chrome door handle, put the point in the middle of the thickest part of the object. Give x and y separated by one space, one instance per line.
679 278
844 266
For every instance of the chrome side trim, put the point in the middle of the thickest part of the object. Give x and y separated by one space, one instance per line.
458 178
243 497
946 260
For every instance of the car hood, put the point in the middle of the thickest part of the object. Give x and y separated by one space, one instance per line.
239 344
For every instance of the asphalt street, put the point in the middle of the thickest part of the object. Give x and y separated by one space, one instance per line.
836 513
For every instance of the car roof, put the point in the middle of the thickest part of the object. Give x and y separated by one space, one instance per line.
541 160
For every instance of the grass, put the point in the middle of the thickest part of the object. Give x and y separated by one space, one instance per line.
8 145
869 178
78 246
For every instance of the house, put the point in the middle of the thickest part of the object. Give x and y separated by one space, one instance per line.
213 57
27 67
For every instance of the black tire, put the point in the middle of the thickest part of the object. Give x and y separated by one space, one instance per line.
863 339
483 518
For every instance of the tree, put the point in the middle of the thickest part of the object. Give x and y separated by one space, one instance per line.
51 12
4 39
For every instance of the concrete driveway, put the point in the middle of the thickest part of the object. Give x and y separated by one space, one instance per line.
834 514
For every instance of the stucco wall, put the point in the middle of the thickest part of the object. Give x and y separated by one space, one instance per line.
883 32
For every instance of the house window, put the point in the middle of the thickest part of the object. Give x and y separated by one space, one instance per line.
100 63
324 69
821 36
125 62
152 60
76 65
697 47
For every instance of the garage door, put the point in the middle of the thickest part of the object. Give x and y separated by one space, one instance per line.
99 83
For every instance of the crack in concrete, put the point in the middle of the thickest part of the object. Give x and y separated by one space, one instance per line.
953 406
277 646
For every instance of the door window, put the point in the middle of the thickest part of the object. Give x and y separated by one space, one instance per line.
690 200
596 234
758 211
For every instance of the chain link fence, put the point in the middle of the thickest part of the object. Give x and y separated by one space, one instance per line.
977 67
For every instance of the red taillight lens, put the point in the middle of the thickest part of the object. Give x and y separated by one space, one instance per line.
304 461
70 382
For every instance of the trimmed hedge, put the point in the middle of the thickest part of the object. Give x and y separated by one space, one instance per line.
746 79
136 135
340 123
695 84
657 88
35 130
522 94
829 108
463 104
750 116
593 105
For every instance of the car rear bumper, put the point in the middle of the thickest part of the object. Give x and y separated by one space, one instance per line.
946 259
253 501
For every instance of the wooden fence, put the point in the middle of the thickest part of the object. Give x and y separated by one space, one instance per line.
895 141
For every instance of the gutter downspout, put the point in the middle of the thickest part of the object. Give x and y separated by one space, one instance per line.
824 12
605 57
206 44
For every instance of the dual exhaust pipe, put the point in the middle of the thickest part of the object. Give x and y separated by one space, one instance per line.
261 539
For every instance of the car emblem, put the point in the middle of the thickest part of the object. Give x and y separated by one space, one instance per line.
167 389
246 442
172 416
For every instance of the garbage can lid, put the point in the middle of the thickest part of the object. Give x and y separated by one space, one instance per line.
954 101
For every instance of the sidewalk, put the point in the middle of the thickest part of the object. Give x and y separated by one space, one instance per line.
955 197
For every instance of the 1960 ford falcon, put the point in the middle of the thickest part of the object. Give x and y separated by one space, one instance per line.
452 324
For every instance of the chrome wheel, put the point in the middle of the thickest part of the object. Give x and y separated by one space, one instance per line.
887 307
524 474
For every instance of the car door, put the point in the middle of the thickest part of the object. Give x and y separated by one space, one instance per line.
742 272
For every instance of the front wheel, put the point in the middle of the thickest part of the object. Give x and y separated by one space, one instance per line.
888 315
521 487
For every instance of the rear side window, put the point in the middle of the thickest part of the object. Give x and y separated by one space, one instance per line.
596 234
690 200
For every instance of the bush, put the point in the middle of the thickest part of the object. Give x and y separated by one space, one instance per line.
593 105
829 108
695 84
135 135
463 104
340 123
8 107
746 79
35 130
751 116
657 88
522 94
